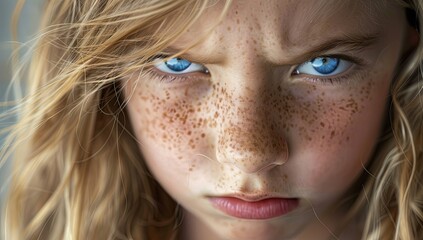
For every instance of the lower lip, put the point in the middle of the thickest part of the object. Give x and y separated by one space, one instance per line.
263 209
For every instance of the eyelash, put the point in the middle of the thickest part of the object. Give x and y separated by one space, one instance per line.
324 80
170 78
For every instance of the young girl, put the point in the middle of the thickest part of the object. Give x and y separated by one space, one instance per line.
239 119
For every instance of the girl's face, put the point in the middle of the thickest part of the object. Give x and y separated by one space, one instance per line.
261 128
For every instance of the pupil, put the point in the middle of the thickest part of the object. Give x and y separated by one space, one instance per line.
178 64
325 65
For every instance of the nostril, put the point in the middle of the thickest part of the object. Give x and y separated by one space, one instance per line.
271 165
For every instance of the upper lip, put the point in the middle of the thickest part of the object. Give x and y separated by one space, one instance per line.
251 197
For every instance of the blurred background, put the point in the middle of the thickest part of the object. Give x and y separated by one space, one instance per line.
27 28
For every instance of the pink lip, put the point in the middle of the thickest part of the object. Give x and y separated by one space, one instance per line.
261 209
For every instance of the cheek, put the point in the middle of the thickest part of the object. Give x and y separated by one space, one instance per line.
171 128
322 116
337 145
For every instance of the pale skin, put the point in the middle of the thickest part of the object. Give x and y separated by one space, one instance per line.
250 126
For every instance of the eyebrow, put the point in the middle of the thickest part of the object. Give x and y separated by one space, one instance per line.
170 50
347 42
185 54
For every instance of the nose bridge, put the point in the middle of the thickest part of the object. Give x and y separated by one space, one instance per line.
249 137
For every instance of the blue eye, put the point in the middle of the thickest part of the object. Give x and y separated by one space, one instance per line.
324 66
179 66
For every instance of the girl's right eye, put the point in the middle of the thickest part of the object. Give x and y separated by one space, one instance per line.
178 66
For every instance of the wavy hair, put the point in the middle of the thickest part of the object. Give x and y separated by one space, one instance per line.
392 194
78 173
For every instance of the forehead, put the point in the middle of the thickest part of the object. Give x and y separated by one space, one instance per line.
308 20
292 12
292 21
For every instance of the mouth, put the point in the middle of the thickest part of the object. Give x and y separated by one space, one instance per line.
254 207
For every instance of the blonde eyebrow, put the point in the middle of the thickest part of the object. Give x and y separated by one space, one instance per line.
171 51
180 52
347 42
351 43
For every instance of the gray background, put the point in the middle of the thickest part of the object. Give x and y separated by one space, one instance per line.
27 27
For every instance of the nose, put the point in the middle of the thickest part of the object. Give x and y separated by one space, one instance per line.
249 138
251 150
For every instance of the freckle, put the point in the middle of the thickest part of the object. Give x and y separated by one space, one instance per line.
332 134
229 28
322 124
203 135
279 88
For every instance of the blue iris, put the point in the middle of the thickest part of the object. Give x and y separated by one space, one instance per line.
325 65
178 64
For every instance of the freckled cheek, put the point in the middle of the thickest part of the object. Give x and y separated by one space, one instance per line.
338 161
173 133
172 125
334 162
321 126
326 117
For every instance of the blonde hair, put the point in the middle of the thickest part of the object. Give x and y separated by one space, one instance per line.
78 172
81 174
393 191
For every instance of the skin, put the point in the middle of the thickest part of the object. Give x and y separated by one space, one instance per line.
250 126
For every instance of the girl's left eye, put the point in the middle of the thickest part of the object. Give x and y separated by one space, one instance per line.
179 66
323 66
